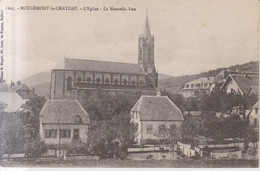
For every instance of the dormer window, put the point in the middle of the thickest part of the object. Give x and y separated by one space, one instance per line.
78 119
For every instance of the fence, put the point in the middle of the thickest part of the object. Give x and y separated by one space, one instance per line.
186 149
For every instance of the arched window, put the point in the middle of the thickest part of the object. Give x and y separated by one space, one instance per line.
98 80
116 81
107 80
79 79
69 83
125 81
89 80
133 82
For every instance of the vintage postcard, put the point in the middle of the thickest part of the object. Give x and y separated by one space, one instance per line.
129 83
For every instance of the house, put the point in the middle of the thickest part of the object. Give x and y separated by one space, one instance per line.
150 112
25 92
10 98
240 83
253 115
192 88
62 122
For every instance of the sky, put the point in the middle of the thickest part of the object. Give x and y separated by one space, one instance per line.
191 36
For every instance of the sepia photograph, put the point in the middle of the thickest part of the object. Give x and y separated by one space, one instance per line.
129 84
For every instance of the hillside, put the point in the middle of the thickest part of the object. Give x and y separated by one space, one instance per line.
41 81
175 84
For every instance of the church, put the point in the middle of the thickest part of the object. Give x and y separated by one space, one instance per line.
79 75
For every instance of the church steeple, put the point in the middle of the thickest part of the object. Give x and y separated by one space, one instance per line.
146 32
146 53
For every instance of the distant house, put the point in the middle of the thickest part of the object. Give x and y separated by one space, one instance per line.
240 83
10 98
25 92
254 90
151 111
192 88
63 121
253 115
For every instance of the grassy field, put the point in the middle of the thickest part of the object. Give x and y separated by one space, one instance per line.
182 163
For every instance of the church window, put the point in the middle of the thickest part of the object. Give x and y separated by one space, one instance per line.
79 79
98 80
89 80
69 83
149 54
116 81
133 82
107 80
125 81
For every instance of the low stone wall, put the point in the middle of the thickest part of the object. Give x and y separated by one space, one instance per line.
226 154
153 156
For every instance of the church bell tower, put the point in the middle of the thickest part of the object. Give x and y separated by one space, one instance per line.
146 54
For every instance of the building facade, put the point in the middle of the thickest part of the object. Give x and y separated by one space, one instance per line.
62 122
253 115
193 88
149 113
78 76
240 83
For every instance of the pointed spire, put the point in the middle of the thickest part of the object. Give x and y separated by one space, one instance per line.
146 27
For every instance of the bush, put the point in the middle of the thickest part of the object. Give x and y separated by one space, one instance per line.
34 149
78 148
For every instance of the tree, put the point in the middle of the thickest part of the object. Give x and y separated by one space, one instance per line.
103 106
31 111
33 147
189 130
117 132
235 127
168 135
11 133
253 133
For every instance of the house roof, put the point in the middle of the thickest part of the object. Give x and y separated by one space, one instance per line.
12 100
25 92
4 87
103 66
243 81
63 111
157 108
202 80
256 106
23 86
255 89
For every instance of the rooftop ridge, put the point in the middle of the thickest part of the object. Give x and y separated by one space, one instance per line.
101 61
